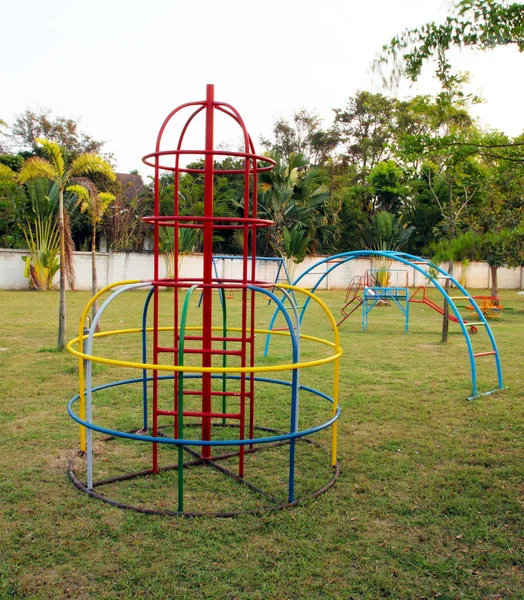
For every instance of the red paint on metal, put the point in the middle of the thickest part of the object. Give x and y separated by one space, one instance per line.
202 344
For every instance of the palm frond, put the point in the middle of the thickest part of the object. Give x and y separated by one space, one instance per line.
86 183
37 167
105 200
6 174
384 231
53 151
44 198
43 241
82 194
90 200
89 163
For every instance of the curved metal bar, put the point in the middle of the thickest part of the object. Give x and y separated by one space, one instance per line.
483 320
295 340
198 442
407 259
144 355
89 382
293 425
80 340
180 387
192 369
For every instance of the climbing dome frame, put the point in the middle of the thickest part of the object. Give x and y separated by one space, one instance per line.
432 273
198 371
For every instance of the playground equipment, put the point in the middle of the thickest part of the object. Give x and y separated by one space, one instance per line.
198 380
376 295
433 273
423 299
489 305
220 262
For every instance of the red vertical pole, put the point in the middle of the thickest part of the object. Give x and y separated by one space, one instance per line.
207 306
155 320
253 277
176 291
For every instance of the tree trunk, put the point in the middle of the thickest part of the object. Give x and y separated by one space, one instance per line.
445 316
94 284
494 280
62 302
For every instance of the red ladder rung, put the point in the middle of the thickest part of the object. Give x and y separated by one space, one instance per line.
200 392
216 338
484 353
188 413
202 351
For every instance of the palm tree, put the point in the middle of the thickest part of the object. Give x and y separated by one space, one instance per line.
188 241
384 231
95 204
40 232
298 204
55 169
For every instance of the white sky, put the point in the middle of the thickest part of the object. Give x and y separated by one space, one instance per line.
122 66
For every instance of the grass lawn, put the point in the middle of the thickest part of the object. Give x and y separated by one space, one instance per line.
428 504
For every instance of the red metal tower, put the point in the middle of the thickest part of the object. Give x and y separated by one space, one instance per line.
211 346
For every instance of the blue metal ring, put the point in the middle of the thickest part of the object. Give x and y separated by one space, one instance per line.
179 442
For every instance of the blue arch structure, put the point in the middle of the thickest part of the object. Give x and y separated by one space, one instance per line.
426 268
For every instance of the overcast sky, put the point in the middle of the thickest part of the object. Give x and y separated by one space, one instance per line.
122 66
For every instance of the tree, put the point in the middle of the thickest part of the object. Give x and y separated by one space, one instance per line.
296 201
454 185
3 147
352 216
500 208
95 204
33 125
387 187
188 241
444 164
11 206
365 129
43 242
123 226
480 24
304 136
384 231
56 170
503 248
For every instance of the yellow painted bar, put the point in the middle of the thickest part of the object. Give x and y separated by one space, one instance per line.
338 354
185 368
191 369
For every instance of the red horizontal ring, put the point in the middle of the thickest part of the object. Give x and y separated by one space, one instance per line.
184 221
220 283
248 155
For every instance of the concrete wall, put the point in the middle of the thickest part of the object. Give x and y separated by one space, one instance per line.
121 266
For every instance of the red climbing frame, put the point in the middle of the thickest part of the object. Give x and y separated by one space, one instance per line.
204 343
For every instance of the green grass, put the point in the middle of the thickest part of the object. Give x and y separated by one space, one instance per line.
428 504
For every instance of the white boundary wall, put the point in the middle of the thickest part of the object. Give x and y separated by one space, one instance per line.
120 266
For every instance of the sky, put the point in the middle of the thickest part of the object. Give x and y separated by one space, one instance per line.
121 66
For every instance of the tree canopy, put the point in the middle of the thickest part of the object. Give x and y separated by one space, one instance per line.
480 24
34 124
